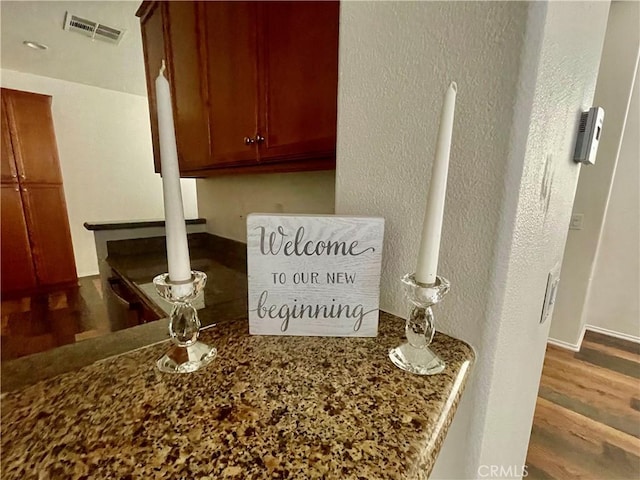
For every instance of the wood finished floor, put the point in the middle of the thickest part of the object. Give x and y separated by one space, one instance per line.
587 419
42 322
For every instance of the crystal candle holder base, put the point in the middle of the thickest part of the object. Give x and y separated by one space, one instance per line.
415 356
187 354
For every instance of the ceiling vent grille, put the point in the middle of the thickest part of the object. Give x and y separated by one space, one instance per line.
93 30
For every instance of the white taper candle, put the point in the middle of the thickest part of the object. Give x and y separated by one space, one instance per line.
175 227
427 266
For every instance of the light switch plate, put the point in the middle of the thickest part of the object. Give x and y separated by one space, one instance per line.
553 281
576 221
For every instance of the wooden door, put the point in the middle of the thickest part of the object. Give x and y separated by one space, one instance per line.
32 136
9 172
231 69
299 79
38 225
48 227
17 264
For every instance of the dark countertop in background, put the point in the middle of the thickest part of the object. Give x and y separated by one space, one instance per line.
224 262
119 225
225 293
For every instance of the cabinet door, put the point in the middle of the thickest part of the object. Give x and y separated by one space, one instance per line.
9 173
231 69
48 226
17 265
188 88
171 32
299 79
33 137
152 29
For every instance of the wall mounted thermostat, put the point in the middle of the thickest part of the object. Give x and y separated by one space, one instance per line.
589 135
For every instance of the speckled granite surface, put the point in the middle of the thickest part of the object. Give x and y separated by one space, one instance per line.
268 407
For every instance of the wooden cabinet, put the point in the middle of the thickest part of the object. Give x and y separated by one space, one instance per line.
254 84
9 172
49 234
232 72
299 43
36 242
152 30
33 138
161 38
18 273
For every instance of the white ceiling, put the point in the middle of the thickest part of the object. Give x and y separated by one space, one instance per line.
72 56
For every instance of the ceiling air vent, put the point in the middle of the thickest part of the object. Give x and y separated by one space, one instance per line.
93 30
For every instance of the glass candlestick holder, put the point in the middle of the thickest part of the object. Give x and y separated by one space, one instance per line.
186 354
415 356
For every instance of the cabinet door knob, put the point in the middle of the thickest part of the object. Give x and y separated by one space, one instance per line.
249 141
259 138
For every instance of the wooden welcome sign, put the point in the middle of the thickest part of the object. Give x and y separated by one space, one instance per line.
315 275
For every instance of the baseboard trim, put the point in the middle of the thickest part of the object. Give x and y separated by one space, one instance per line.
611 333
566 345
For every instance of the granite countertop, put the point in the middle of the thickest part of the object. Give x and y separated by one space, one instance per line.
225 293
267 407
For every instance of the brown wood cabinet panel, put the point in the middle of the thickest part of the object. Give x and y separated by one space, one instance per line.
188 84
9 172
251 83
36 241
171 32
152 28
48 227
230 33
299 79
33 137
17 264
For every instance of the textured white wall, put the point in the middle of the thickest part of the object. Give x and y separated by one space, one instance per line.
613 93
104 143
614 302
524 72
226 201
566 79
